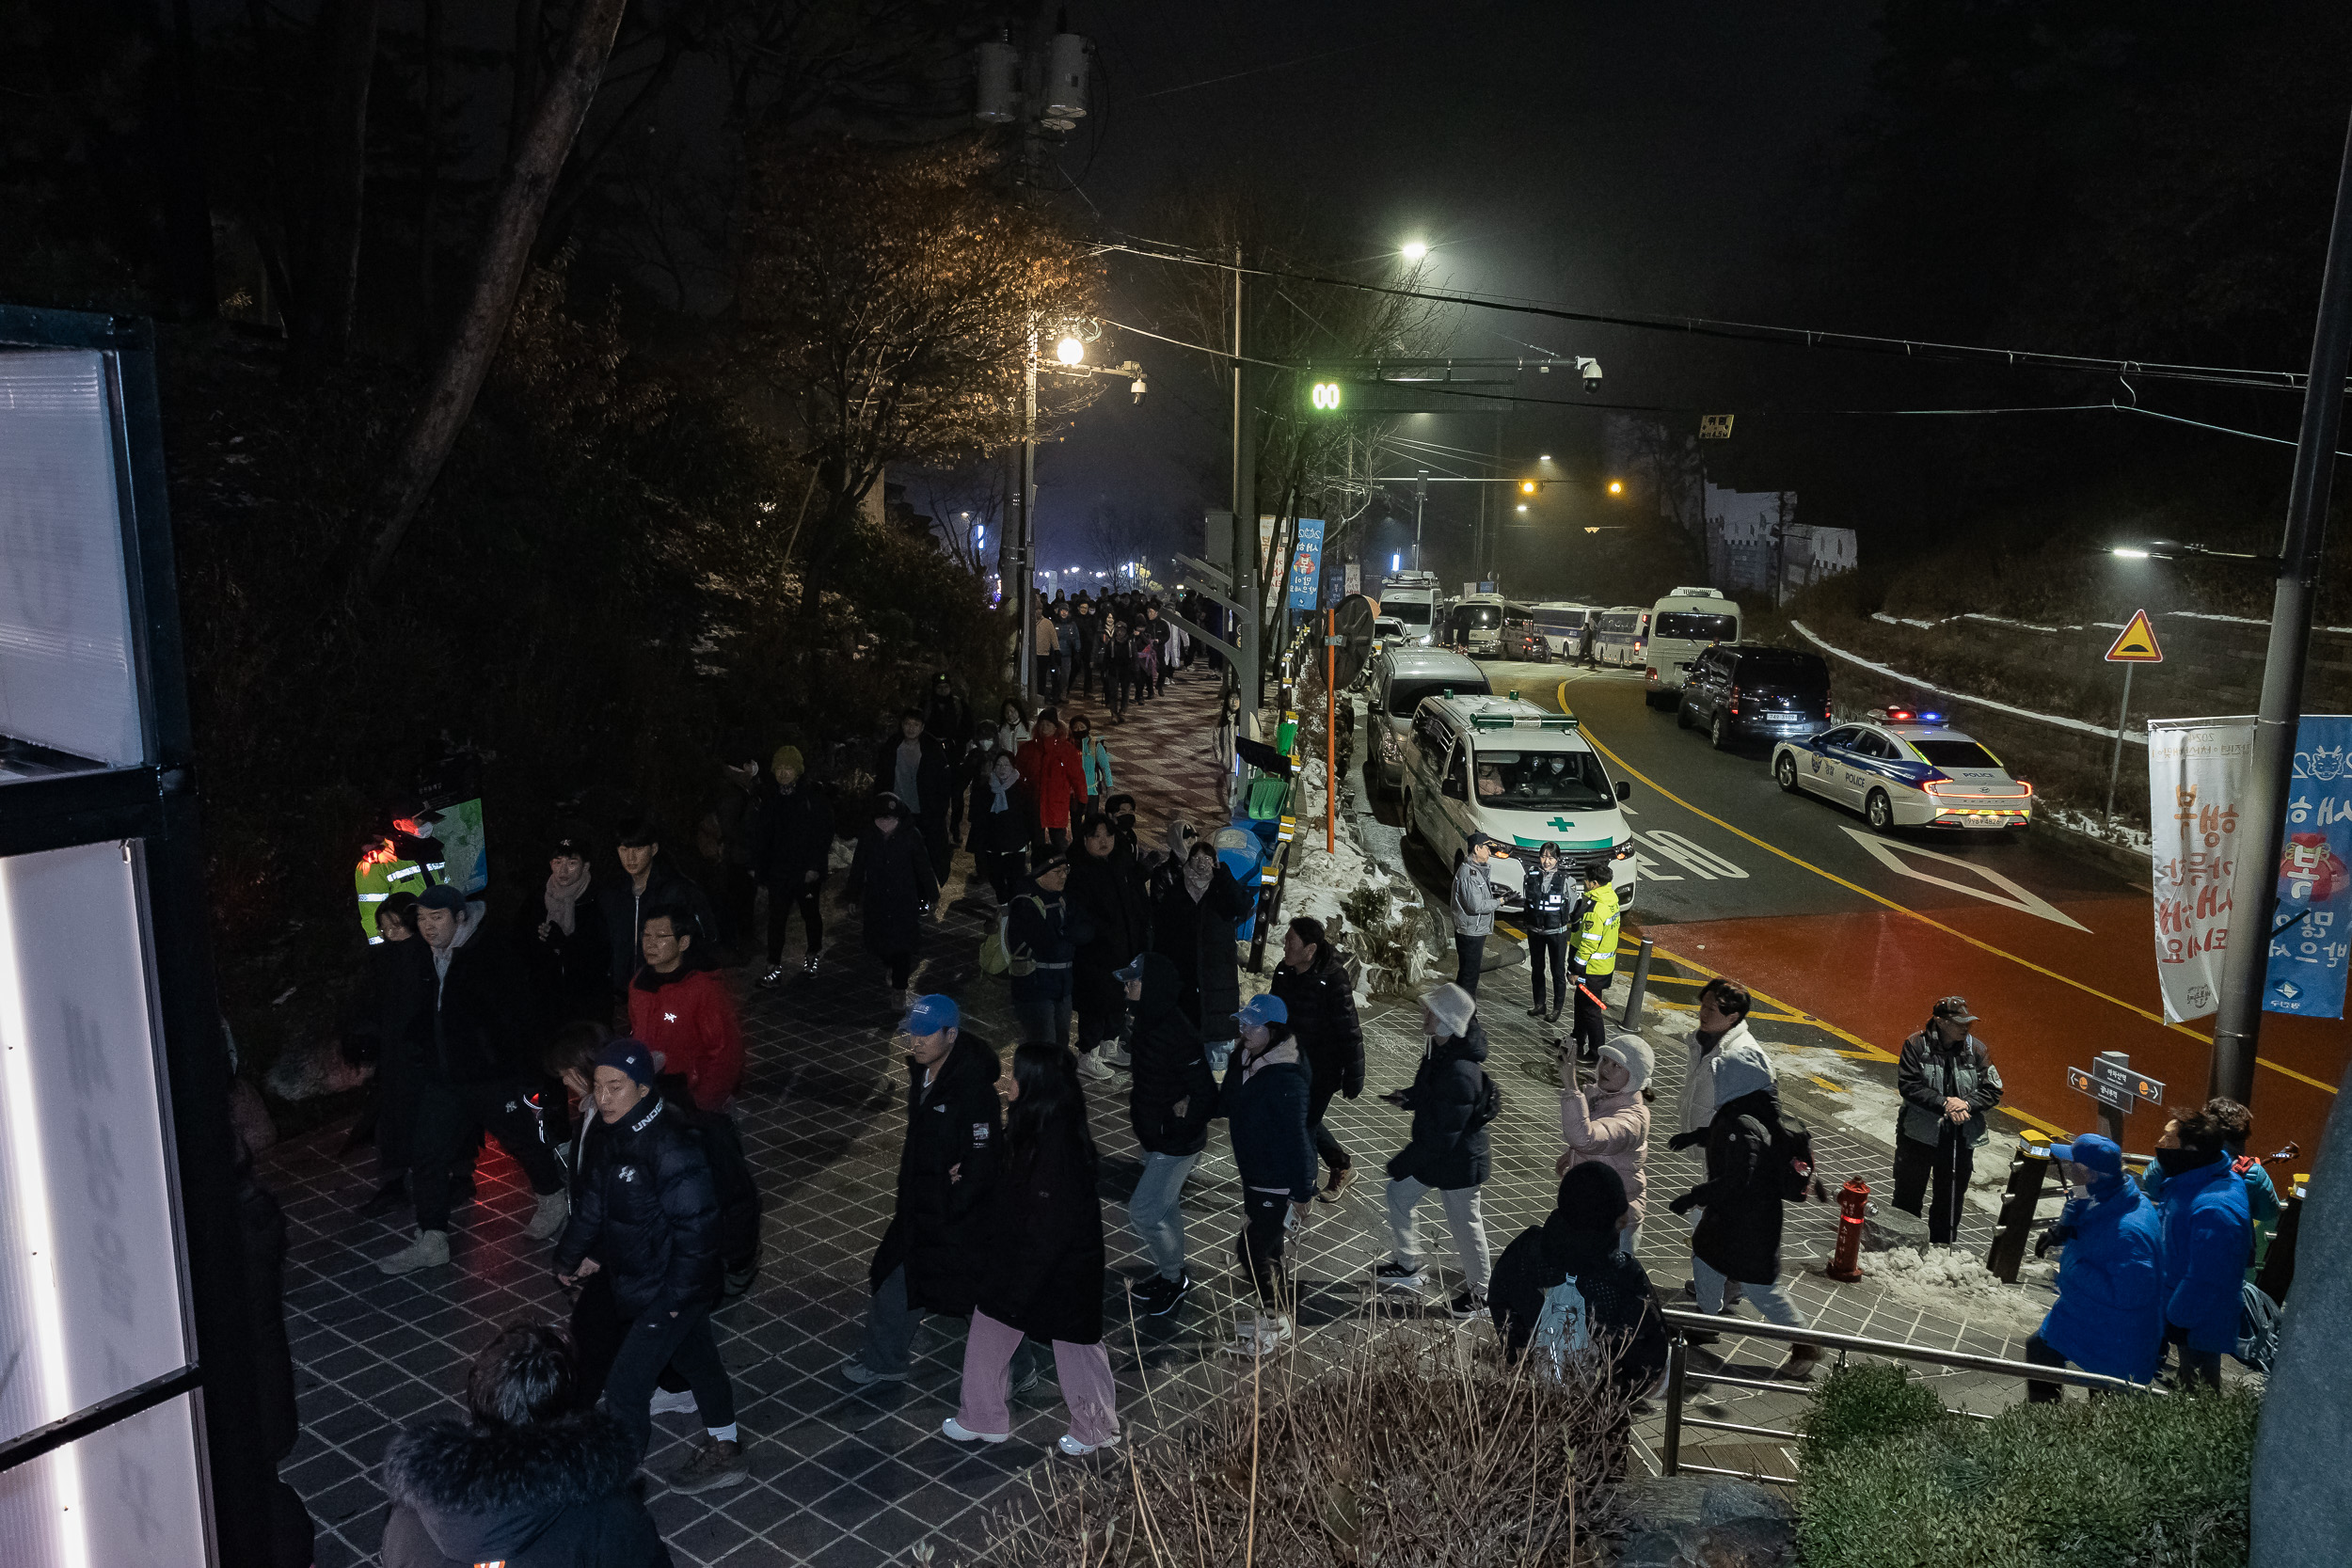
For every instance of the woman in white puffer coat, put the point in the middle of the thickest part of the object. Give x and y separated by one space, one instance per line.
1610 1123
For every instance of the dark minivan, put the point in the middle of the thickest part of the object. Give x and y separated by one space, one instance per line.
1736 689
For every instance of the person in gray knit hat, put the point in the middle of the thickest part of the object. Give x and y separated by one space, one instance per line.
1452 1100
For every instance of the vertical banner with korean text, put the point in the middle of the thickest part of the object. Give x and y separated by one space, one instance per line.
1307 567
2197 771
2308 937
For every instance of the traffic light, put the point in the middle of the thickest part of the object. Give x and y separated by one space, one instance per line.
1326 396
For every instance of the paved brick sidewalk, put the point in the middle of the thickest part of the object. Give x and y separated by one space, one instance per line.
845 1477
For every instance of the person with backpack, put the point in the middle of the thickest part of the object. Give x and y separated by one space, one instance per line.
2107 1318
1314 984
1172 1099
1549 894
1043 931
1452 1100
1611 1124
1947 1081
1004 825
2208 1237
1722 1022
1041 1239
1263 1101
1106 884
1566 1284
1754 1155
891 879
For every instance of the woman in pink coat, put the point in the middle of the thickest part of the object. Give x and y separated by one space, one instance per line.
1610 1123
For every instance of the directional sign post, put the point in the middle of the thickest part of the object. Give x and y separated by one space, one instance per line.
2112 1082
2138 646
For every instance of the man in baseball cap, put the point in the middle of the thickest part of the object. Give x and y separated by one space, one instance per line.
1474 905
1947 1081
2110 1314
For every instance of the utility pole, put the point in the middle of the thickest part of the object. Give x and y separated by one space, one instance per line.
1245 586
1421 497
2254 886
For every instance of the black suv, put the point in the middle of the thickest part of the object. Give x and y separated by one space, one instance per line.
1735 689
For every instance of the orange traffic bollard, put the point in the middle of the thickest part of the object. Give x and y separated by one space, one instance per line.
1853 1206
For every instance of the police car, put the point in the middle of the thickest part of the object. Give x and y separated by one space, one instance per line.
1905 770
1520 775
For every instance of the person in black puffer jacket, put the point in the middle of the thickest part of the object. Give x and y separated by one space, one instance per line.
1265 1104
528 1479
648 1215
1108 884
1194 907
1173 1096
791 851
1448 1153
1004 825
1739 1234
891 880
1043 1229
1313 982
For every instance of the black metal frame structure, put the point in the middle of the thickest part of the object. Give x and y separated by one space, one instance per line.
155 803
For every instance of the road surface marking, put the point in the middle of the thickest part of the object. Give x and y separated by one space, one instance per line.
1924 920
1833 1088
1697 859
2021 900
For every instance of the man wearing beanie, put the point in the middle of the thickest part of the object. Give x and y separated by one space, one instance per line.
649 1217
1448 1154
2109 1315
1610 1123
1599 1294
1738 1237
791 857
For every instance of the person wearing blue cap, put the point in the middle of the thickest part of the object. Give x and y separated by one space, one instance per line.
2208 1237
648 1216
2107 1318
1265 1103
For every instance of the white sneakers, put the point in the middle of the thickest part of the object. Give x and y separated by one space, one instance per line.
1114 1054
429 1250
1090 1065
1077 1450
1262 1335
958 1432
668 1403
554 1208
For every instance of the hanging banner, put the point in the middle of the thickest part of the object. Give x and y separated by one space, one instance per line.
1306 564
2197 771
2306 972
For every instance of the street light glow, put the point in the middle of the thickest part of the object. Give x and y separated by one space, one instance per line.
1522 506
1545 458
1069 349
1414 250
1527 487
2129 554
1616 487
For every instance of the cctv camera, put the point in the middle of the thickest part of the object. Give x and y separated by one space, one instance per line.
1590 369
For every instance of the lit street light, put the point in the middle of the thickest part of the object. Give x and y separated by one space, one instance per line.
1069 349
1616 487
1414 250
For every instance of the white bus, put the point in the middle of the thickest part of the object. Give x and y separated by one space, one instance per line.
1567 627
1682 625
1620 637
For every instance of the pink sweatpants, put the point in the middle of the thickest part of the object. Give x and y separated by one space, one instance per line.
1082 1371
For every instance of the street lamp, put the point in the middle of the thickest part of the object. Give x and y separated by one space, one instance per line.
1071 349
1616 487
1414 250
2175 549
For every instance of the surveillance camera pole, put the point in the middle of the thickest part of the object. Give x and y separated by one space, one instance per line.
2254 887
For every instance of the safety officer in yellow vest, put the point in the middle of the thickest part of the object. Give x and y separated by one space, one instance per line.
383 871
1592 961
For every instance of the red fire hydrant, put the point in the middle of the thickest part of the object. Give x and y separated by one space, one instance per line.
1853 1206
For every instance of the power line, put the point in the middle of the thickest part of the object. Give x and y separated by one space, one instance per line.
1860 342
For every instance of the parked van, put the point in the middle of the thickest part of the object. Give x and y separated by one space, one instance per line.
1482 622
1507 769
1400 679
1412 597
1620 637
1682 625
1566 626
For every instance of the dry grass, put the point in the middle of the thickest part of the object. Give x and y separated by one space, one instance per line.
1408 1443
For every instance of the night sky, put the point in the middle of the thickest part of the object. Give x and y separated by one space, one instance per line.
1648 158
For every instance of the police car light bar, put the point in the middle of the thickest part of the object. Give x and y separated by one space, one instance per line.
1904 716
1524 721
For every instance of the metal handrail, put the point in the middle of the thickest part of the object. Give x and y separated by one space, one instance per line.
1681 1323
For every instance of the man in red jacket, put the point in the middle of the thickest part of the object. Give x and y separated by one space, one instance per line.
685 1015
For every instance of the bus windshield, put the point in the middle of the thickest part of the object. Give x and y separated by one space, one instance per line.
1413 613
1468 615
1695 626
1542 781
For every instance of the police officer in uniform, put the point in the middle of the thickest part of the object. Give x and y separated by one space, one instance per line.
1593 959
1550 892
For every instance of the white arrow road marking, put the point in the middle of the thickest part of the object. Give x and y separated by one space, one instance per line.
2016 898
1692 857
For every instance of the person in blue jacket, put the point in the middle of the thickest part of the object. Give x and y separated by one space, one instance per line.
2208 1236
2108 1319
1263 1101
2237 1126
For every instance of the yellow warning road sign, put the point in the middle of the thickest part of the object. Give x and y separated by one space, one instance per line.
2138 646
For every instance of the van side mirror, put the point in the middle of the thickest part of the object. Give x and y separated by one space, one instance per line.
1625 789
1453 787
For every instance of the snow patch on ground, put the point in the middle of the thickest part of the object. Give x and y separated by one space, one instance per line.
1955 1285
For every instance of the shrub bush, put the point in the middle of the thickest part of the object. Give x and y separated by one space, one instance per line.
2150 1482
1867 1406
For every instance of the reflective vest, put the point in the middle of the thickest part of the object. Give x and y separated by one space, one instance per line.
1596 931
381 873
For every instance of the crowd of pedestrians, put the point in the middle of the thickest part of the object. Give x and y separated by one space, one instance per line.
604 993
